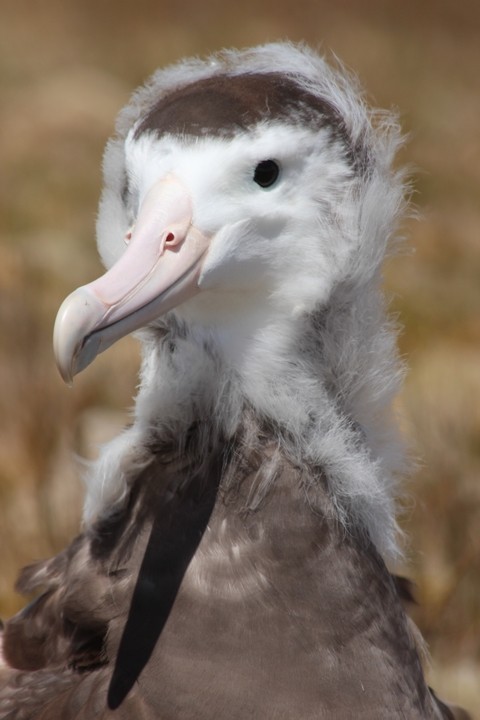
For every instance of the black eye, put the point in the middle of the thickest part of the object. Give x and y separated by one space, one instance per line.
266 173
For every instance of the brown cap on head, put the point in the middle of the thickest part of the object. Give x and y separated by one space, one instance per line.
224 104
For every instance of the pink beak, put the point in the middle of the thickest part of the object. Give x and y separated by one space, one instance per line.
158 271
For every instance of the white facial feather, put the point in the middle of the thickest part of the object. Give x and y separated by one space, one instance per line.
309 247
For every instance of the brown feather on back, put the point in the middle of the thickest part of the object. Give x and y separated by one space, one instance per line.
276 608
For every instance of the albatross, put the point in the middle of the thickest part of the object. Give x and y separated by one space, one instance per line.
232 562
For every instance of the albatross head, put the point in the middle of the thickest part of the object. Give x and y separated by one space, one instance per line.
249 201
239 191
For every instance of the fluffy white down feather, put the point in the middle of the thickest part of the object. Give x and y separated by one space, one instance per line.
305 341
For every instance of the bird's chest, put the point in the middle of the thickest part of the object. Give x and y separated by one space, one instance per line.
278 616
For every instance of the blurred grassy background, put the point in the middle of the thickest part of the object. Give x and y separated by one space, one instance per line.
66 68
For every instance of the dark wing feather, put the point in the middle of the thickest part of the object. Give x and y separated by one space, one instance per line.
177 529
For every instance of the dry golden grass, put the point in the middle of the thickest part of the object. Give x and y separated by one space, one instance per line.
65 70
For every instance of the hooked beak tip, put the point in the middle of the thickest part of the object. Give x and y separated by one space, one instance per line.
77 317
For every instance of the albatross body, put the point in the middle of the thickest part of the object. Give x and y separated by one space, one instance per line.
232 561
